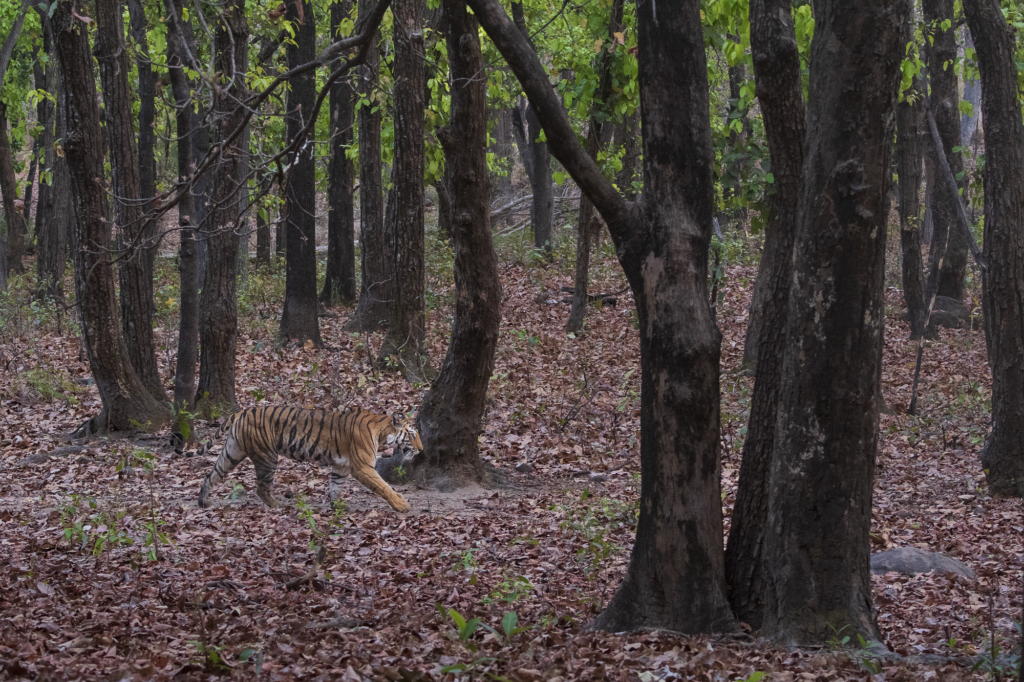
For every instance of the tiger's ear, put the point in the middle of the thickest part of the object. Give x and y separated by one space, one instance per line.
397 419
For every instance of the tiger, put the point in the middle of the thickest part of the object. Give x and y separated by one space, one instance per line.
347 441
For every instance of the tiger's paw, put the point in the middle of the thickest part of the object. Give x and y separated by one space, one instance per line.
400 505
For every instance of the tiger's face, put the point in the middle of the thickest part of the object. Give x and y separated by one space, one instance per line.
405 433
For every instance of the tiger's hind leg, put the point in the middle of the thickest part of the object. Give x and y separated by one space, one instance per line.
339 470
265 468
230 457
369 477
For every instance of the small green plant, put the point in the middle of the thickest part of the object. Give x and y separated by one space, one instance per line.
211 657
253 655
509 590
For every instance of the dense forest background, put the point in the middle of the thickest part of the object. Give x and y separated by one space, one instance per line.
710 315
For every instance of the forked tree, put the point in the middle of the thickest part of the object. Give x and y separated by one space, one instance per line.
675 579
450 419
816 555
127 405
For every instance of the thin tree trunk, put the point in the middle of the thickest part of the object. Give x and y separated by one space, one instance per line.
780 93
945 98
14 217
587 225
127 404
542 209
908 169
129 220
340 281
56 211
444 204
972 94
450 418
299 320
816 557
262 238
218 319
403 346
371 310
627 135
675 579
1003 293
188 325
27 194
147 134
44 80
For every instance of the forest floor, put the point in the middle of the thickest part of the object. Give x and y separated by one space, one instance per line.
109 570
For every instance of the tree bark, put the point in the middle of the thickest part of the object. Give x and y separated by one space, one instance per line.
972 94
371 310
542 208
299 320
1003 294
909 114
945 98
262 238
451 416
340 281
147 135
816 559
54 211
218 320
779 89
675 579
403 346
136 286
127 404
14 217
188 325
627 135
587 226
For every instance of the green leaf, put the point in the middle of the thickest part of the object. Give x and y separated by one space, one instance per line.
246 654
460 622
508 623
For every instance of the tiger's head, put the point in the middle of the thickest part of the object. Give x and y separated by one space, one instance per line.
404 433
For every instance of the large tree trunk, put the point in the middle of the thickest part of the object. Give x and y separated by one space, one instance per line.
147 135
340 281
587 225
675 579
188 325
127 404
780 92
1003 295
450 418
372 309
129 219
816 557
909 117
945 100
403 346
542 208
299 320
218 321
14 216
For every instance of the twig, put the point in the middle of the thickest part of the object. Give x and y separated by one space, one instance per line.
308 578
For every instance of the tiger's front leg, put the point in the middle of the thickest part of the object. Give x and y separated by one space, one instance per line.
369 477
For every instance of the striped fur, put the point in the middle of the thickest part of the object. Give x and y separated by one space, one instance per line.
347 441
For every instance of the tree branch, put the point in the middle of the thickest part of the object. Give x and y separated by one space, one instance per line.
561 138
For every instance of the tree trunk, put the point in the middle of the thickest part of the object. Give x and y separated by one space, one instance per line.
218 320
972 94
55 210
14 217
816 559
780 92
909 115
27 194
262 238
136 287
340 281
188 325
1003 296
450 418
945 98
44 80
444 204
627 135
371 310
587 225
299 320
127 404
147 135
540 161
403 346
675 579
